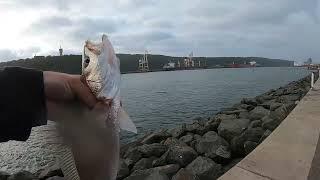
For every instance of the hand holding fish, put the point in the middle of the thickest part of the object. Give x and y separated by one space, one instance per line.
61 87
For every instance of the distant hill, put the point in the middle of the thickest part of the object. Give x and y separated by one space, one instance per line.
129 62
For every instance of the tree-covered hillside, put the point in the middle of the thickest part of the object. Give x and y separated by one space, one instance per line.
129 62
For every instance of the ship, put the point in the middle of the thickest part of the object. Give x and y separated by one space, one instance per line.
170 66
244 65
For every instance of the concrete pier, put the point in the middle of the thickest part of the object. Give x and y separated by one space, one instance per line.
291 152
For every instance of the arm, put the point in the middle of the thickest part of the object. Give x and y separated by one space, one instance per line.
22 103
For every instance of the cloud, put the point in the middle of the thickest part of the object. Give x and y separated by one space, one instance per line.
276 28
7 54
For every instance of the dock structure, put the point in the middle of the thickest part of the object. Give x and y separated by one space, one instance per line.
143 63
291 152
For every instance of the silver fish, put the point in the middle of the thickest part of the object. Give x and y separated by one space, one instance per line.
91 142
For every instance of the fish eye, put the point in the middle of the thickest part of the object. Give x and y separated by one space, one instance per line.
87 61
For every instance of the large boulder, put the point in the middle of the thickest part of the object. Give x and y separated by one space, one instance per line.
244 115
230 128
282 112
49 172
183 174
249 101
204 168
196 128
187 138
144 163
161 161
178 131
258 113
174 142
254 124
156 137
288 98
168 170
275 105
270 123
155 149
237 143
213 146
22 175
181 155
123 170
132 156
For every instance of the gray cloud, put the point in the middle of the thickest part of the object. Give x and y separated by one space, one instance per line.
8 54
276 28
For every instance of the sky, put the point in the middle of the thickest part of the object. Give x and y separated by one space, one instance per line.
286 29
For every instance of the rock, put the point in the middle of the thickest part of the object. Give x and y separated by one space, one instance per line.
230 165
222 117
186 139
267 104
4 175
156 137
246 106
237 112
178 131
258 113
213 146
183 174
181 155
244 115
282 112
237 143
55 178
123 170
157 176
228 129
279 92
200 120
144 163
173 142
249 146
270 123
160 161
23 175
249 101
275 106
288 98
132 156
50 172
212 124
265 135
155 149
196 128
204 168
254 124
168 170
197 137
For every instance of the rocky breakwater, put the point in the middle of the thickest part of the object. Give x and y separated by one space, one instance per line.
204 149
207 148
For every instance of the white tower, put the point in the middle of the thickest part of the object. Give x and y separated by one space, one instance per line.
143 63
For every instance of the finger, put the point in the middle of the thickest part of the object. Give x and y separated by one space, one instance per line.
83 92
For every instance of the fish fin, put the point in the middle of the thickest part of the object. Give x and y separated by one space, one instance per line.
126 122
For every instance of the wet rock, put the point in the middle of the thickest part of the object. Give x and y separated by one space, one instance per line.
23 175
275 106
204 168
249 146
156 137
249 101
132 156
123 170
258 113
254 124
187 138
144 163
181 155
50 172
178 131
155 149
183 174
168 170
174 142
228 129
265 135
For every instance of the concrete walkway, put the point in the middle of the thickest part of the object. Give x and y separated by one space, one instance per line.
291 152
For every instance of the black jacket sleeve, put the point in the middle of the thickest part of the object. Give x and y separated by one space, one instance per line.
22 102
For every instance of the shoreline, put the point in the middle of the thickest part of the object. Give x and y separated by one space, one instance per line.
215 143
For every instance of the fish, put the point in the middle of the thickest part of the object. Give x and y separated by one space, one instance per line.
90 148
